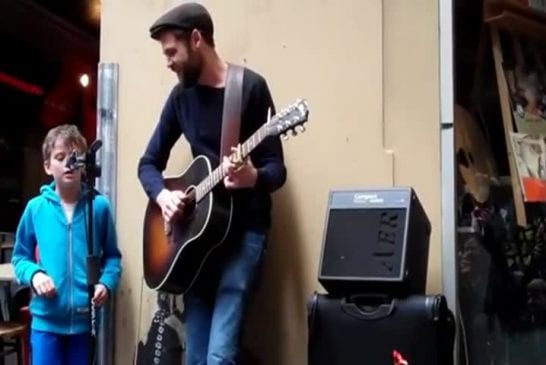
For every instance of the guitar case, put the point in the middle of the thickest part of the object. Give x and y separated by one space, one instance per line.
369 330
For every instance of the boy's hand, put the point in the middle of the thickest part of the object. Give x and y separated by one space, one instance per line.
101 295
43 285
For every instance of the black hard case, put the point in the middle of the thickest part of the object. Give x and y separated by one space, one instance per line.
365 330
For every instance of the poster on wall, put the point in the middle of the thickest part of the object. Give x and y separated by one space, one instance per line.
529 153
526 80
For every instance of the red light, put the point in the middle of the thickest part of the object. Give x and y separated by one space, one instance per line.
20 85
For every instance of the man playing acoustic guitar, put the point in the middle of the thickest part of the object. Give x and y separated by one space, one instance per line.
215 304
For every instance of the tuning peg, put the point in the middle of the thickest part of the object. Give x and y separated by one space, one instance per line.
300 128
294 132
284 136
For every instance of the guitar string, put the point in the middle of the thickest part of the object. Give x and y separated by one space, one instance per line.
217 175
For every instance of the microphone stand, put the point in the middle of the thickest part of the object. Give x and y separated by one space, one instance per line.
91 172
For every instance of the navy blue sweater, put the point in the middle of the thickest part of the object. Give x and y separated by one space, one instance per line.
196 113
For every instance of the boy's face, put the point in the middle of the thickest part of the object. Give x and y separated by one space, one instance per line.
56 165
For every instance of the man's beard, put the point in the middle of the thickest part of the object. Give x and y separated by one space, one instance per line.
191 71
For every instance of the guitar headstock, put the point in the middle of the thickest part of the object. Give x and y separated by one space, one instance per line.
290 118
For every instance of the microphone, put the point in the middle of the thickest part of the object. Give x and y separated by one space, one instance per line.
75 161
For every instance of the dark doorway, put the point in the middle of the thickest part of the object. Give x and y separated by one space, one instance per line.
48 73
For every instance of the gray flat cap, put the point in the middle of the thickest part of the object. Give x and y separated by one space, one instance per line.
187 16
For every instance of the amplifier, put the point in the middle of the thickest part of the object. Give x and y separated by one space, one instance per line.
375 240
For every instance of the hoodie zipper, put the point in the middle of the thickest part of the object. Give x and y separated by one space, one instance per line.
71 276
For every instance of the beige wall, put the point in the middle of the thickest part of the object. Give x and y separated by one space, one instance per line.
369 70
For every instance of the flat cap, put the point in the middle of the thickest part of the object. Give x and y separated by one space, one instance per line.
187 16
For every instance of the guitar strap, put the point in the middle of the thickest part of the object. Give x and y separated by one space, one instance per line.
231 115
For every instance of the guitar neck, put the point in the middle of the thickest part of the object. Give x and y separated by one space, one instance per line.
217 175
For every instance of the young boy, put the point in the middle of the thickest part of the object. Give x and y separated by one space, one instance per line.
55 222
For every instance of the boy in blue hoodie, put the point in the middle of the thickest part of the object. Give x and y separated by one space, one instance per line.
54 223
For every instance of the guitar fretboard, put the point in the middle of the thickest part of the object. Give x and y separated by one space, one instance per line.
217 175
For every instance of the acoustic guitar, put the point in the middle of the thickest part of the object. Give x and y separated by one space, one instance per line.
174 253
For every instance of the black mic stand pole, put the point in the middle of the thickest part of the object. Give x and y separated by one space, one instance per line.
92 171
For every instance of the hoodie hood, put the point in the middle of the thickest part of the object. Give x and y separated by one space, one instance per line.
48 192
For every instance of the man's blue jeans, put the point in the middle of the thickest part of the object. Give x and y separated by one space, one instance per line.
215 313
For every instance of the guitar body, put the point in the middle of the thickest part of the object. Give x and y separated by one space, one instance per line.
172 261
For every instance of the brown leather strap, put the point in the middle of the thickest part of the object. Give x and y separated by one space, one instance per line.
231 117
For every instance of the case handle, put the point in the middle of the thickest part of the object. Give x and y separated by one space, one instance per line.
368 310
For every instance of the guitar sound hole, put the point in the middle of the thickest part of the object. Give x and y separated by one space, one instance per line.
189 207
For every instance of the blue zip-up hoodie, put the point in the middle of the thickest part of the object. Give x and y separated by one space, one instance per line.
63 250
